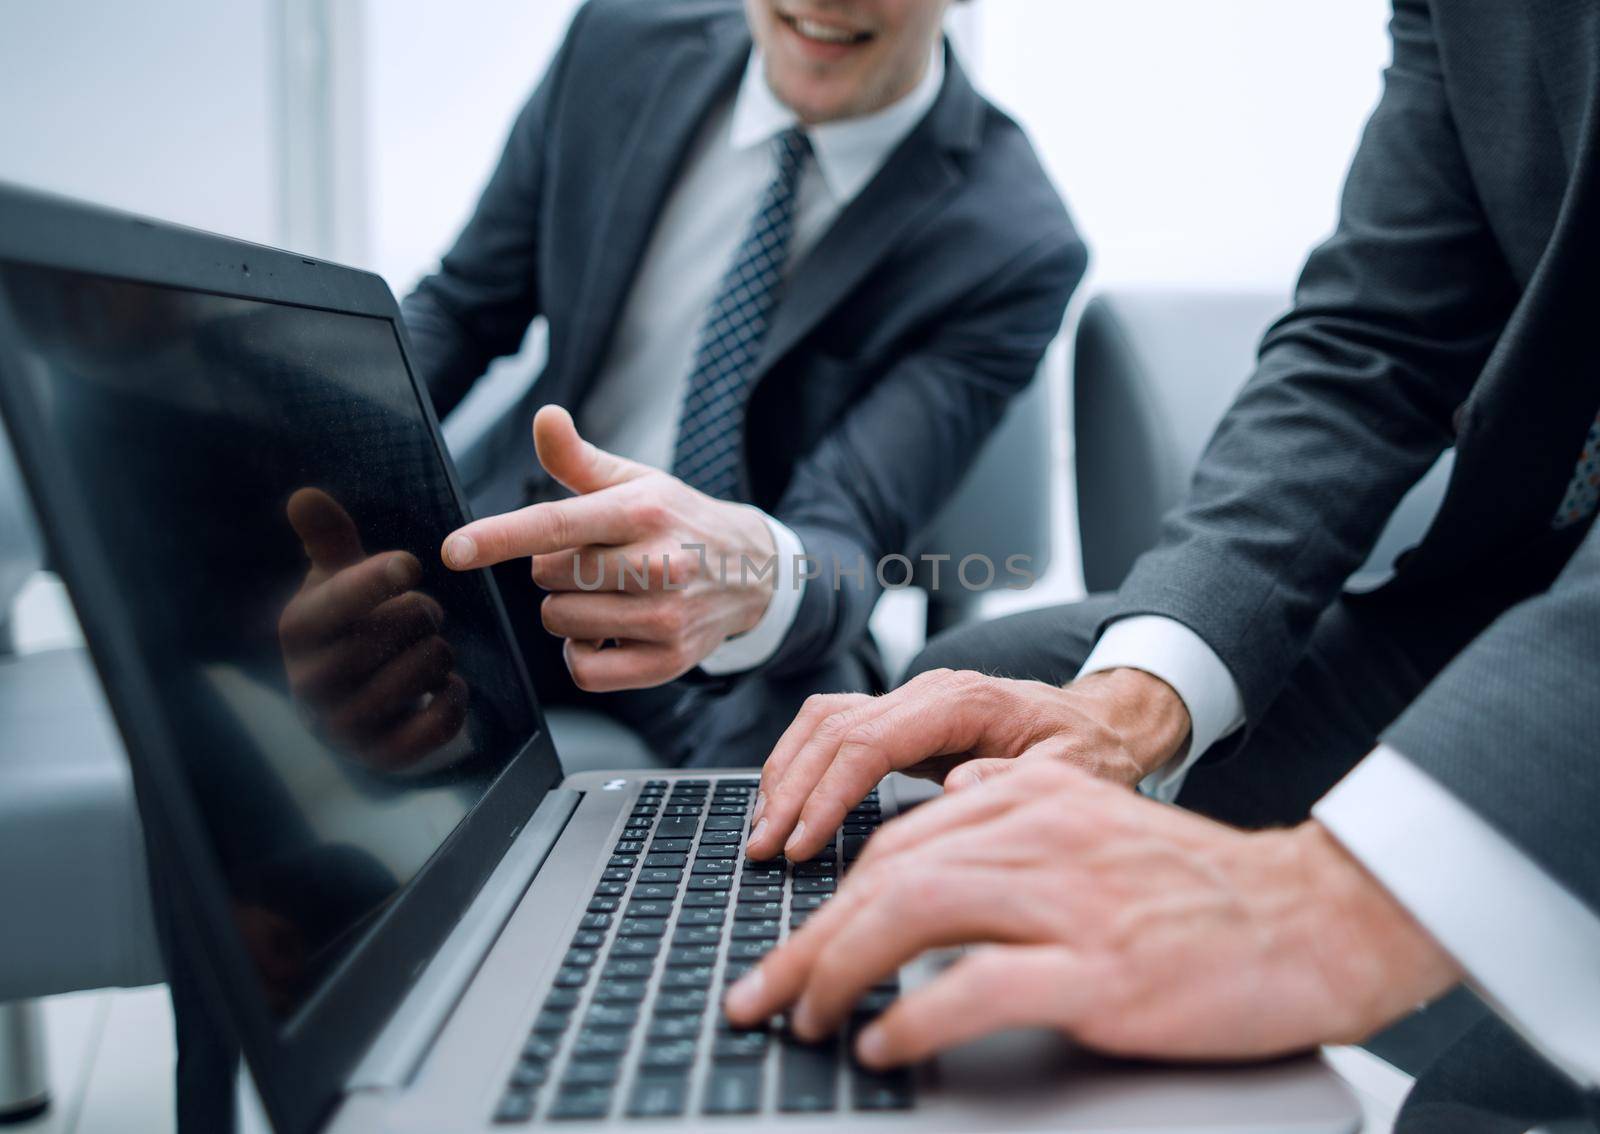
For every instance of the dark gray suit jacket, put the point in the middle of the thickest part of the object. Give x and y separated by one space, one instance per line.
1454 305
902 334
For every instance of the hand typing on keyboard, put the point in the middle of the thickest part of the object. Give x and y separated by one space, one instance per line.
958 727
1134 927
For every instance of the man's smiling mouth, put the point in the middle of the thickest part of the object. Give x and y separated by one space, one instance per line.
821 32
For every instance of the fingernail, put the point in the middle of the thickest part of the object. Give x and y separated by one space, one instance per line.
873 1046
756 834
794 839
744 998
460 550
761 805
802 1021
399 571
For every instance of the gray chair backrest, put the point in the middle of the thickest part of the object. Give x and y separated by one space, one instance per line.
1003 506
1153 373
19 545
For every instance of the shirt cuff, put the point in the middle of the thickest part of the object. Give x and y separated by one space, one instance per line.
1528 945
1166 648
756 646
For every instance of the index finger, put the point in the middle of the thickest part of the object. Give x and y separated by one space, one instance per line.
325 529
539 529
324 610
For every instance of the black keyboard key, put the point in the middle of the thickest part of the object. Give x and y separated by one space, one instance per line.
677 827
684 956
594 921
551 1022
571 977
655 890
581 1101
607 1046
528 1074
740 1047
642 927
709 882
853 845
755 930
681 1002
705 898
808 1076
707 866
611 1017
799 918
667 1055
757 911
815 885
629 846
604 905
619 992
726 809
725 822
760 893
674 861
768 872
736 969
697 935
657 908
720 838
674 1027
663 876
616 874
623 862
750 950
728 851
579 958
698 976
732 1088
636 947
628 968
540 1049
703 915
815 869
808 901
515 1106
881 1090
671 846
659 1096
611 889
562 999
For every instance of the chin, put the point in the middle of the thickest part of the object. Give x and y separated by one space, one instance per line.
814 100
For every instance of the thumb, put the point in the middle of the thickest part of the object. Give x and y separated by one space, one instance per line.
975 772
325 529
574 462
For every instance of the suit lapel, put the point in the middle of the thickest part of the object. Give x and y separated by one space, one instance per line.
920 173
681 98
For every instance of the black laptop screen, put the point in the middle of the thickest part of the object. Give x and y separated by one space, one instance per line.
274 500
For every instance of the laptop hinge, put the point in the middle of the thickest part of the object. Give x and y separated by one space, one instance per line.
399 1050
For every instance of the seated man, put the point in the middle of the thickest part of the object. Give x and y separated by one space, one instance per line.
1451 307
793 267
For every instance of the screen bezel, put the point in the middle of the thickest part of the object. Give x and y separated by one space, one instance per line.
300 1066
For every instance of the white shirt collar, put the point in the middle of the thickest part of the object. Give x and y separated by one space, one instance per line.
850 151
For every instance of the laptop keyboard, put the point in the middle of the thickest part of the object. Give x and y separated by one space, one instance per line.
633 1026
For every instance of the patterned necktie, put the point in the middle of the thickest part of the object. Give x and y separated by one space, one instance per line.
711 427
1583 494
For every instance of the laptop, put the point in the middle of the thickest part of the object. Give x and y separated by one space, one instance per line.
411 918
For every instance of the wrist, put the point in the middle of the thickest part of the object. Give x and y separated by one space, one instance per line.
1376 960
751 574
1145 711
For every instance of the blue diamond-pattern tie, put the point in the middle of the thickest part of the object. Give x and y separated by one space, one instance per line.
1583 492
711 427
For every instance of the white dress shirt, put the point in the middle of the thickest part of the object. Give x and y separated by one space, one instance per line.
1529 946
635 404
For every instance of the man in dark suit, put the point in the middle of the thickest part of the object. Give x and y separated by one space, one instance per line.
793 267
1452 307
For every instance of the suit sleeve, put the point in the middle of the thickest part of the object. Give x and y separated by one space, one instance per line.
1353 396
477 307
880 476
1512 724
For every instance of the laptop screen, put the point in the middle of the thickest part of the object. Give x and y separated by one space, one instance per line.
274 499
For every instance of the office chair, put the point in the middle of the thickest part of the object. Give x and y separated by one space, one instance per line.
1153 373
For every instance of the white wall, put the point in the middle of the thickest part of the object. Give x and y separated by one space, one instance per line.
165 109
444 83
1198 142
